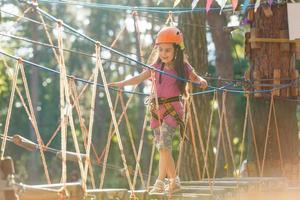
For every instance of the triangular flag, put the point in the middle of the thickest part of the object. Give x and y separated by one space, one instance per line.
245 6
257 4
194 3
222 4
176 2
270 2
234 4
208 4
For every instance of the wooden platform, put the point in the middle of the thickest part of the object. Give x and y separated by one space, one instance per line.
253 188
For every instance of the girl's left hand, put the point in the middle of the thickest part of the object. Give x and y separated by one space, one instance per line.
203 83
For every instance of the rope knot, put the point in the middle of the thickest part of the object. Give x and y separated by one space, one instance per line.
72 77
134 12
63 193
98 44
60 22
20 60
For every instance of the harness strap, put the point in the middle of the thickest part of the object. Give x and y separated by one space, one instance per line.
170 110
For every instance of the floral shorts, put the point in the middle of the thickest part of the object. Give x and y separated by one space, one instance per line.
163 136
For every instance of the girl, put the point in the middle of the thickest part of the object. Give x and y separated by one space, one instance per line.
164 121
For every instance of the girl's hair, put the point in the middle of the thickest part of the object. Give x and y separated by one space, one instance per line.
179 66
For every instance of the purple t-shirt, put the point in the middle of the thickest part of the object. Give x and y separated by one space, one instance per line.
166 89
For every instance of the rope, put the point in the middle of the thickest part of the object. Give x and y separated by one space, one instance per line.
140 154
147 9
209 131
218 142
245 127
34 123
75 99
193 139
93 99
278 139
11 100
30 116
108 48
150 165
112 50
55 151
131 140
48 36
110 135
200 138
221 112
34 21
254 140
181 143
69 76
281 86
63 107
64 49
267 134
227 132
99 67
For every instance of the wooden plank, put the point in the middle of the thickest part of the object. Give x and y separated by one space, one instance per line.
51 192
104 194
276 82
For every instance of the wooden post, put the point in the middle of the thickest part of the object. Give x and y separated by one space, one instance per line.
7 171
24 143
254 34
285 92
298 50
257 82
247 45
250 14
284 47
276 82
294 88
267 10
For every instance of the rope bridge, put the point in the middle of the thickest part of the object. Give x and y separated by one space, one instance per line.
208 185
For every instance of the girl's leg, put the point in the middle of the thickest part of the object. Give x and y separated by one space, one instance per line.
162 165
159 185
174 184
170 164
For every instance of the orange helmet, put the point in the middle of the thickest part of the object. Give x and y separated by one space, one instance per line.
170 35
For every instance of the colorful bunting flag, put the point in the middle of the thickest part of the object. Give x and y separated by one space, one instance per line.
234 4
176 2
257 4
222 4
270 2
245 6
219 2
194 3
208 4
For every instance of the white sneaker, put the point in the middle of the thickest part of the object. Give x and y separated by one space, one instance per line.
158 187
173 186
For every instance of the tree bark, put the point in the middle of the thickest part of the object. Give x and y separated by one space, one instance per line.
34 91
224 69
264 59
196 49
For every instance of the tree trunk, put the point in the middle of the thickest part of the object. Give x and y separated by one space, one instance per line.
196 49
265 58
224 69
34 91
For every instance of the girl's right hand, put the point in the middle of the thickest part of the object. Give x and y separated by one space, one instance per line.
118 84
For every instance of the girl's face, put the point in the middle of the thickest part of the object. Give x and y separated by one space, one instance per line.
166 52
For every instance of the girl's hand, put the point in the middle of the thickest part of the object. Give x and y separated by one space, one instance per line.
118 84
203 83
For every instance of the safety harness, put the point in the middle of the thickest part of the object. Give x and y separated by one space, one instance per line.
170 110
